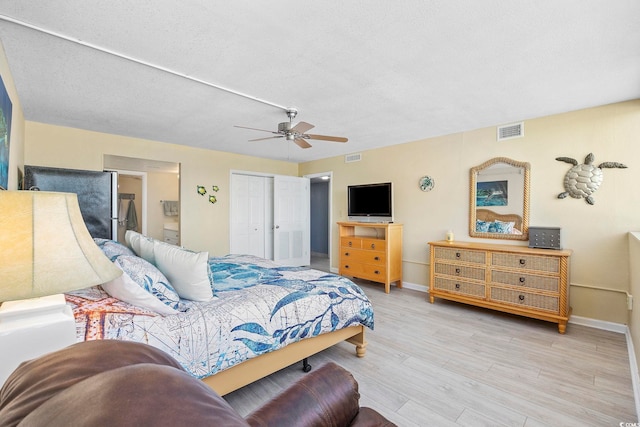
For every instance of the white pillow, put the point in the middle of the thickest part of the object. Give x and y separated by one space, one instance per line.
141 245
125 289
187 271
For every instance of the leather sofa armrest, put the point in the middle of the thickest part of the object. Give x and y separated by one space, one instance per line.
328 396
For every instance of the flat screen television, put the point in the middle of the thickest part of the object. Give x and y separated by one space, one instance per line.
370 202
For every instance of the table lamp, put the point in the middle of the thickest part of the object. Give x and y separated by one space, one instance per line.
45 250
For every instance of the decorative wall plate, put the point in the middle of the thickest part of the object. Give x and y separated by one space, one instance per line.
426 183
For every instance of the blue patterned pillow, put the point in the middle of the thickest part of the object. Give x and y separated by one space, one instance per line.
501 227
149 278
112 249
482 226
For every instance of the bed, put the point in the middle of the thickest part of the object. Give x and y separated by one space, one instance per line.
262 317
493 222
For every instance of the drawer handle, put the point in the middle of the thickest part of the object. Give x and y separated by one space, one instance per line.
523 261
376 272
457 285
350 243
521 297
346 254
376 258
457 254
373 246
457 271
346 266
522 279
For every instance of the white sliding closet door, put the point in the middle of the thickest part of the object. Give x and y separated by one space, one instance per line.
269 218
248 219
291 235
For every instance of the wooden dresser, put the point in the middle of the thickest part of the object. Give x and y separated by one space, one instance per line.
514 279
372 251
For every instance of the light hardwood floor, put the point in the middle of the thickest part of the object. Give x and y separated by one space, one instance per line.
448 364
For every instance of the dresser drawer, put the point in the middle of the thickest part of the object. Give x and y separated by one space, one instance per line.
526 262
462 271
360 255
526 299
363 271
351 242
170 236
546 283
373 244
459 287
462 255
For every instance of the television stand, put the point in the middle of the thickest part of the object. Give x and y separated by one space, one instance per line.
371 251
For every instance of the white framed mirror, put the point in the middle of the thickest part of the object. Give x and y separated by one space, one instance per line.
499 199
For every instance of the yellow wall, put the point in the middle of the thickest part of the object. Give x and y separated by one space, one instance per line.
597 234
203 226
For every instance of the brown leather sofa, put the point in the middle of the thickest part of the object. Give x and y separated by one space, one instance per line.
120 383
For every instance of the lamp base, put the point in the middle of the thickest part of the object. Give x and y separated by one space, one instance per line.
32 327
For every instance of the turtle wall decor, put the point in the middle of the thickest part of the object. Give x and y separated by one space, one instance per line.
581 181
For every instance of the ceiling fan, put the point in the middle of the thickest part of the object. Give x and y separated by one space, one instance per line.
296 133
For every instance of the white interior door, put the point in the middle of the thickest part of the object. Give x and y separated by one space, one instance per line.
248 215
291 236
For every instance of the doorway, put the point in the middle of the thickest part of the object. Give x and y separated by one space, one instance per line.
131 199
153 186
320 209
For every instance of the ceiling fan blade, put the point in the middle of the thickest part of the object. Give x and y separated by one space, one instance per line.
326 138
302 143
263 130
269 137
302 127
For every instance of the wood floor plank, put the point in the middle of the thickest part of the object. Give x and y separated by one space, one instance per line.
447 364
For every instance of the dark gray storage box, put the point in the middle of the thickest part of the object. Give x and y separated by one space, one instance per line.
544 237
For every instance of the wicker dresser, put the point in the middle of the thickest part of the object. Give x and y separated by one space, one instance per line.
515 279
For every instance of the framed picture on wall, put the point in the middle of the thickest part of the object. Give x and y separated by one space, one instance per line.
5 135
492 193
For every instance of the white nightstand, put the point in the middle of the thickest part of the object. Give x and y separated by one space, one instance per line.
33 327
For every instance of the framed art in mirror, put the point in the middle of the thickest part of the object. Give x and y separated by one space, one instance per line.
499 199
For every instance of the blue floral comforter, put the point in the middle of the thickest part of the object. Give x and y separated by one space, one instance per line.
258 307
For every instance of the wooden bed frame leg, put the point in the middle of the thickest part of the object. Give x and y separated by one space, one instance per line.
360 343
361 349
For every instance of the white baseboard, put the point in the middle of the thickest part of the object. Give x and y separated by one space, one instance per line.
599 324
635 377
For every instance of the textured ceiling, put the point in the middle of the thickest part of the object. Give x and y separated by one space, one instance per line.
377 72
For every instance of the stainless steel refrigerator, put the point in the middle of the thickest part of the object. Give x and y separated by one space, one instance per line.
97 194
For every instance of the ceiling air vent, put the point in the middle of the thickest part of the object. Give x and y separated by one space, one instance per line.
350 158
515 130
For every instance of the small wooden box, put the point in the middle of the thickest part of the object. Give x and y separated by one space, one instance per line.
544 237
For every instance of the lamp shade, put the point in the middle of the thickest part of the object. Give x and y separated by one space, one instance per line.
45 247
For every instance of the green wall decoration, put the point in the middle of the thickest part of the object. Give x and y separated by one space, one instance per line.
202 190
